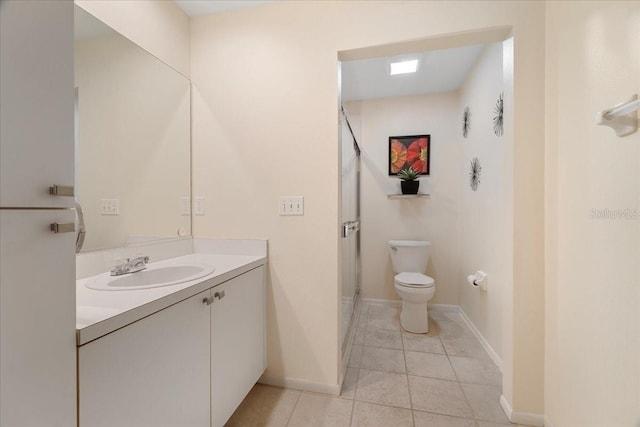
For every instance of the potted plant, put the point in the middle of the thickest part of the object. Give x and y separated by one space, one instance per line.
409 183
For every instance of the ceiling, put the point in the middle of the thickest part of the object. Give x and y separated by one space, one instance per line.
205 7
86 26
438 71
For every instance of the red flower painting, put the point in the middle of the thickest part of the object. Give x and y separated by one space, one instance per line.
409 151
398 154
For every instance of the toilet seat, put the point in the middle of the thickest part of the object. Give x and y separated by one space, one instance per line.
414 280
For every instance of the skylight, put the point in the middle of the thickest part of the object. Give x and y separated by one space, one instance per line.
404 67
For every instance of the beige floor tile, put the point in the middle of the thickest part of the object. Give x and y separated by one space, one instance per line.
447 315
442 397
386 388
364 313
384 310
372 415
349 383
485 402
383 359
425 343
316 410
451 324
452 329
464 347
427 419
476 371
419 342
265 406
382 317
358 339
429 365
355 356
383 339
490 424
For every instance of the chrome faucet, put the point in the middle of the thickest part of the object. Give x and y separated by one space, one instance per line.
130 266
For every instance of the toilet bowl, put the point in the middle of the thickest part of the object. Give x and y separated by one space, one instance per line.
409 259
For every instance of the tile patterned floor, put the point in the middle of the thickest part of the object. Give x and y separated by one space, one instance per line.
394 378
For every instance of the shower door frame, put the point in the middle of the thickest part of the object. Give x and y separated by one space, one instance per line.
348 229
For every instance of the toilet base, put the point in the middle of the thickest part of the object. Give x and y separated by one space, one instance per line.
414 317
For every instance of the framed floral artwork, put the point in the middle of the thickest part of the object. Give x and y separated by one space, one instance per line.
409 151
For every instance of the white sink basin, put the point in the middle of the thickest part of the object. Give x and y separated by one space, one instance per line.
152 277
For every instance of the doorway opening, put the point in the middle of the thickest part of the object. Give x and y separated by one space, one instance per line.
460 95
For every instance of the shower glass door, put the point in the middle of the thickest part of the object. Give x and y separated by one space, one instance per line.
350 215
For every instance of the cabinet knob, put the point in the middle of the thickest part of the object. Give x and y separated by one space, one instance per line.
210 300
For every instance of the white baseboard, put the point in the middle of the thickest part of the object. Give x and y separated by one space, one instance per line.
492 353
525 418
389 302
296 384
547 423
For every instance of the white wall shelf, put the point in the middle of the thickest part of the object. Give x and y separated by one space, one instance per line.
408 196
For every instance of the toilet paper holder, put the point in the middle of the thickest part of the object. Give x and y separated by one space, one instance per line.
478 279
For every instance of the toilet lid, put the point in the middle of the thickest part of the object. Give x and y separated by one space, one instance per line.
417 280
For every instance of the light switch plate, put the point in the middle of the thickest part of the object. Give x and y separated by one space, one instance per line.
185 206
291 205
110 206
198 206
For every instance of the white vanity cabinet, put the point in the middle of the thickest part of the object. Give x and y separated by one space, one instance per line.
154 372
237 341
189 365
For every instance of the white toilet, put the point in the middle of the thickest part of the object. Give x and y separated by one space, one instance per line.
409 259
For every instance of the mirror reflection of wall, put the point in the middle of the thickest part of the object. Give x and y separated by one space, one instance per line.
133 145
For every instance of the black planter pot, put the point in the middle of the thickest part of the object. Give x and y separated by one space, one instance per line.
410 187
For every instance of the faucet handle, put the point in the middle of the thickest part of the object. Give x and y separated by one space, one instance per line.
139 258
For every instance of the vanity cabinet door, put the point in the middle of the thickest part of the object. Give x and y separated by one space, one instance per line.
237 341
152 373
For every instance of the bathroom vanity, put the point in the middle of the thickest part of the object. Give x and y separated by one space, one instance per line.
180 355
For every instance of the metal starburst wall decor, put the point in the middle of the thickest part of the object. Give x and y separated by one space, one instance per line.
498 121
466 122
474 173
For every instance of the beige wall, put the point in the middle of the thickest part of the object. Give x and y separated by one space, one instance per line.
484 231
265 124
593 275
134 142
256 114
433 219
160 27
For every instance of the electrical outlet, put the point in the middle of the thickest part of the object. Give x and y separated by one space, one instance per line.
185 206
110 206
199 206
291 205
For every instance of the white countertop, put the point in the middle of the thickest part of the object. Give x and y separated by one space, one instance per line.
99 312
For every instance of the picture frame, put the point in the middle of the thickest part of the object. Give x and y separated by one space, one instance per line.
410 151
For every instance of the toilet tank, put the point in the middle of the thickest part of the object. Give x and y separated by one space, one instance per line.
409 256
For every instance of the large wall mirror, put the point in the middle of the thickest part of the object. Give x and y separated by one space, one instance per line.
132 140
